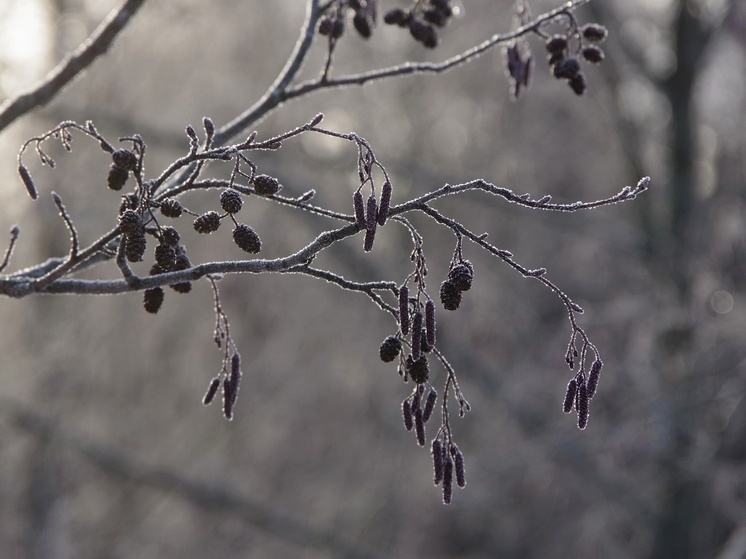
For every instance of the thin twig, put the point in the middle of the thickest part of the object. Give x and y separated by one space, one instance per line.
14 232
73 64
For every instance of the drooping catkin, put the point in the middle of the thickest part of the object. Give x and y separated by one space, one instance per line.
581 406
28 182
460 469
357 201
419 425
417 336
211 391
430 322
404 309
229 399
427 411
437 453
370 223
383 208
406 411
572 388
447 480
593 377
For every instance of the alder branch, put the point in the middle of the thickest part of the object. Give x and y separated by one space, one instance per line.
72 65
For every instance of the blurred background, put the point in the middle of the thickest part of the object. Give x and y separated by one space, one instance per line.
105 448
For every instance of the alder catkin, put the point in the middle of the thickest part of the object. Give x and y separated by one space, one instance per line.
404 309
370 223
419 425
572 388
28 182
581 405
383 209
406 410
430 322
417 335
429 405
447 480
359 205
437 453
211 391
593 377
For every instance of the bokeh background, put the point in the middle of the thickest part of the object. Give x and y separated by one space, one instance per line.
105 448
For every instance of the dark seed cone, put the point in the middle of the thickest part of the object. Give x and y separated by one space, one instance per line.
417 335
170 236
383 209
430 322
566 69
397 16
577 83
208 222
437 453
363 24
427 411
390 349
182 263
404 309
171 207
423 33
419 370
212 390
450 295
124 159
338 28
130 224
165 256
462 275
593 54
153 299
117 177
572 389
447 481
594 32
247 239
556 44
325 26
230 201
357 200
134 247
581 406
264 185
419 427
406 411
593 377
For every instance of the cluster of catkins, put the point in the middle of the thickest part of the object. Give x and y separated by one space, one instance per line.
369 215
422 19
230 381
580 390
363 18
564 63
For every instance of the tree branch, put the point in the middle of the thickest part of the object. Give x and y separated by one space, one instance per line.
73 64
